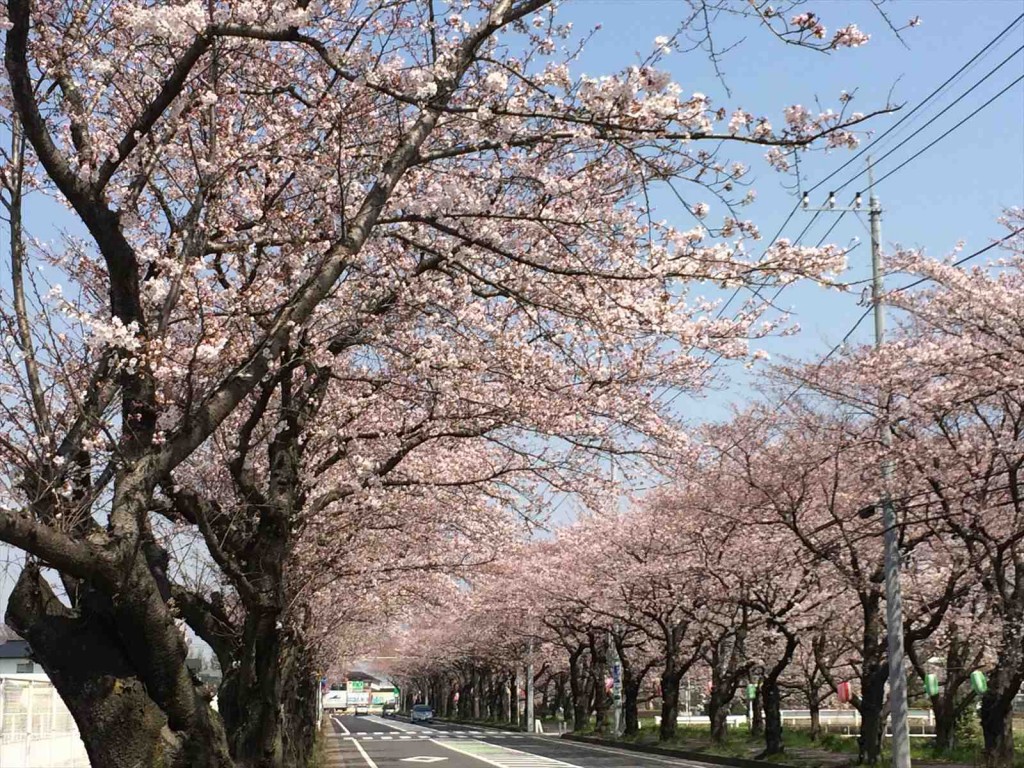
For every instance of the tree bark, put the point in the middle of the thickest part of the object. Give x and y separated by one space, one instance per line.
580 703
773 744
874 673
872 724
107 691
814 707
268 701
670 680
997 722
718 711
757 708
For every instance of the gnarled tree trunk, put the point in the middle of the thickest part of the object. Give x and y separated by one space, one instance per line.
133 706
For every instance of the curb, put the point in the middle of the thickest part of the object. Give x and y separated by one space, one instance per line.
699 757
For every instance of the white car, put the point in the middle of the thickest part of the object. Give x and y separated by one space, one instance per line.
421 713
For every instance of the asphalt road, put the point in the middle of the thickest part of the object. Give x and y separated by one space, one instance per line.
372 742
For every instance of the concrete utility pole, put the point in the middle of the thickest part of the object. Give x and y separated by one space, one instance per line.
893 594
615 664
529 689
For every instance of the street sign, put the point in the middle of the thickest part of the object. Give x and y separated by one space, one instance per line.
355 685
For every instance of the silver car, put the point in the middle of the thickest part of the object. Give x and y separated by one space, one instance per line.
421 713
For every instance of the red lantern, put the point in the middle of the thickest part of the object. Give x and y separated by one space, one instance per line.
843 690
609 683
455 698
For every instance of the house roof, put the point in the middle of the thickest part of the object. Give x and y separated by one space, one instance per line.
14 649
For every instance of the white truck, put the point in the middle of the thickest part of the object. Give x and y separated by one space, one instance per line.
359 702
335 701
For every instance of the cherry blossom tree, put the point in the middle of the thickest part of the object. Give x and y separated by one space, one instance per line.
268 191
955 410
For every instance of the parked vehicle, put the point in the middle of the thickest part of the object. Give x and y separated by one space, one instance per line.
422 713
335 700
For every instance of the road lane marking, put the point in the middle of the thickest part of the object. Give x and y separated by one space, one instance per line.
423 759
627 752
503 757
396 726
341 724
362 752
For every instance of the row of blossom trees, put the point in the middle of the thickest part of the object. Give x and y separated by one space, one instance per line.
305 298
761 562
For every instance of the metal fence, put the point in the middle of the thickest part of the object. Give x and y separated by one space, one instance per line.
36 729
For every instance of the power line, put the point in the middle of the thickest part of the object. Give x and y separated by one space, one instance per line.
963 260
977 56
874 144
944 135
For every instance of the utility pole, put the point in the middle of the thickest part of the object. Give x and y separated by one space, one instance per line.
615 664
893 593
529 689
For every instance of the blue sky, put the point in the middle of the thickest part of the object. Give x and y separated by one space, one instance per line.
953 192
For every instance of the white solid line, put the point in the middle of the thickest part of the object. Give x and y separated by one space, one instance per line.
362 752
399 728
341 724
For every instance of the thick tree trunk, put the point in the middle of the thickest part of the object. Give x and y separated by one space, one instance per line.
945 723
580 703
814 707
718 711
874 672
997 724
107 687
770 694
670 680
251 692
772 718
499 692
872 723
631 705
757 709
